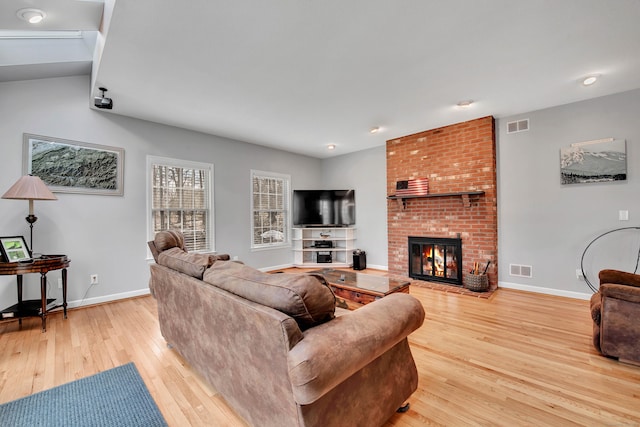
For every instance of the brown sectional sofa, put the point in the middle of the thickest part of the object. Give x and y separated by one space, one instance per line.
273 346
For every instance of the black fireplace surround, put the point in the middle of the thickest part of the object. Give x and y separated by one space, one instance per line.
436 259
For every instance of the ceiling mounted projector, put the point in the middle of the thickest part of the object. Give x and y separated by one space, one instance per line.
102 101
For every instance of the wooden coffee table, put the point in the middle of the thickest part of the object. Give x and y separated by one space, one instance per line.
359 288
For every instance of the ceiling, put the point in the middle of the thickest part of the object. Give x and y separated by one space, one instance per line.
299 75
36 58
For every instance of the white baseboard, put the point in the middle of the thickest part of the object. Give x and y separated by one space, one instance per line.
282 267
107 298
546 291
275 267
506 285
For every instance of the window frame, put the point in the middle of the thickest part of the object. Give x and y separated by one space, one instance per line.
188 164
287 209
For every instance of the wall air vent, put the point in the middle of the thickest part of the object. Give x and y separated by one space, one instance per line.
518 126
520 270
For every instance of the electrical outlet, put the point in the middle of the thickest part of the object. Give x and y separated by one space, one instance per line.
94 279
579 274
59 282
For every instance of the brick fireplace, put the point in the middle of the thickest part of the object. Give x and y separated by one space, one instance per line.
459 162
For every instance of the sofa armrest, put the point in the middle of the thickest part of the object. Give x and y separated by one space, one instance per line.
331 352
154 250
622 292
619 277
595 305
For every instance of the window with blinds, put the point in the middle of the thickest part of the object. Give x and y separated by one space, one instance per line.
181 195
270 209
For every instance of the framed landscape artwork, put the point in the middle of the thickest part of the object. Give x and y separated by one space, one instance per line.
74 167
601 160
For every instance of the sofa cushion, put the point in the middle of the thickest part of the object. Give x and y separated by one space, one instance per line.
619 277
306 298
192 264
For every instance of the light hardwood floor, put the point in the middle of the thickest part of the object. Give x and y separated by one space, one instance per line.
515 359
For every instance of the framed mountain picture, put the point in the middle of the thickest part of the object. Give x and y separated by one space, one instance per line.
601 160
74 167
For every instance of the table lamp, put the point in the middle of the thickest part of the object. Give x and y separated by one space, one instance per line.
29 188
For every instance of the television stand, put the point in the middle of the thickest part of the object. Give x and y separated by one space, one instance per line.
326 247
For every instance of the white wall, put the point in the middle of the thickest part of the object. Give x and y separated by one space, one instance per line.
541 223
364 171
106 235
548 225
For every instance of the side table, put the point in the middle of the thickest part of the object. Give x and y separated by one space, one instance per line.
41 265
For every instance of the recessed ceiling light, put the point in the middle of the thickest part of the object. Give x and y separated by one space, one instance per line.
589 80
375 129
331 147
32 16
465 104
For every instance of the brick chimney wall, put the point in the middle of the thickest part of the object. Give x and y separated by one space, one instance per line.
456 158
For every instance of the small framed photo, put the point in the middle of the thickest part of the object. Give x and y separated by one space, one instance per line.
14 249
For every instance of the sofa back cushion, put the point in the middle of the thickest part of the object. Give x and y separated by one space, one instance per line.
164 240
193 264
169 239
306 298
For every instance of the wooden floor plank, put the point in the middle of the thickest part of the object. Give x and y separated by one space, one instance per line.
515 359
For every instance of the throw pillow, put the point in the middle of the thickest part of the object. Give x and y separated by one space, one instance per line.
192 264
307 299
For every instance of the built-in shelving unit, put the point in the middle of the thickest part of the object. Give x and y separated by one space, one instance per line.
465 196
323 247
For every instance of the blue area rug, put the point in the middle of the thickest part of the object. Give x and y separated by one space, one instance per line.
117 397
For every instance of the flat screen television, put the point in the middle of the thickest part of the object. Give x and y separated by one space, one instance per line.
324 208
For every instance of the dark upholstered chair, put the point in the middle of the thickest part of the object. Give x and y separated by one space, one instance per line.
615 310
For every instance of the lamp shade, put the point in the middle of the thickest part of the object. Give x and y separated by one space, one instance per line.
29 187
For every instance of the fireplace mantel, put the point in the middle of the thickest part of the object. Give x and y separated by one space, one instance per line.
464 195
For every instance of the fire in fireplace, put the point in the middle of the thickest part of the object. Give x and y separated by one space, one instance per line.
436 259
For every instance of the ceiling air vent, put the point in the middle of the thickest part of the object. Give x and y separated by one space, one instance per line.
518 126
